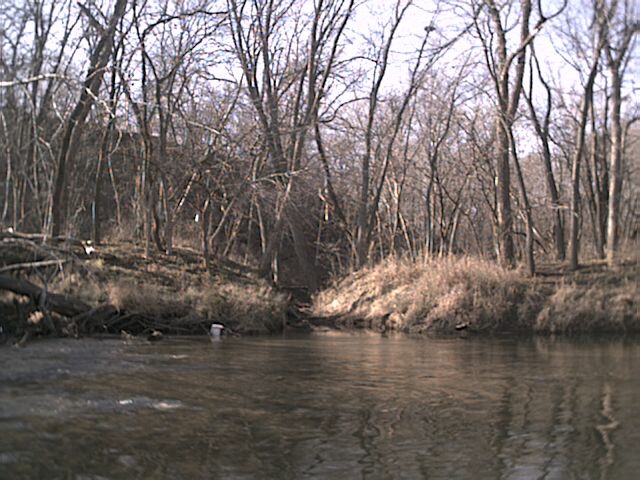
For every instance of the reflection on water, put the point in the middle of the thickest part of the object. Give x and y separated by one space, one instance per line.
348 406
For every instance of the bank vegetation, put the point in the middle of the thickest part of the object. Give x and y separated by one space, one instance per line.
302 141
74 289
470 295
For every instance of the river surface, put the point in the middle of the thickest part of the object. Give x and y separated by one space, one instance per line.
346 406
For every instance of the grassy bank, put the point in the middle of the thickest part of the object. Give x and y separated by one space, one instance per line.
443 295
115 287
172 294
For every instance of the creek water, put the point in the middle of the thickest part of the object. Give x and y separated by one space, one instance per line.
321 406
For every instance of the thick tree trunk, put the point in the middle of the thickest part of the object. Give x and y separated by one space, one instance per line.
103 156
574 222
503 185
507 106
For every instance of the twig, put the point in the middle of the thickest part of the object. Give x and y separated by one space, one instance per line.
25 265
24 339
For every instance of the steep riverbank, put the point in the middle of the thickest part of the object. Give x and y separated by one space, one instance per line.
445 295
71 288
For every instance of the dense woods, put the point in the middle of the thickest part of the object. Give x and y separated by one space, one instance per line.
308 138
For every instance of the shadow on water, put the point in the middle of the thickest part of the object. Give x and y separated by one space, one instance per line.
345 406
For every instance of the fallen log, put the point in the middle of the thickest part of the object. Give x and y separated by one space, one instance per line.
96 317
42 237
60 304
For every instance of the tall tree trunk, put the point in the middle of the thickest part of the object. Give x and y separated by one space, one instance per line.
146 197
528 215
103 157
622 26
96 214
542 130
503 184
615 169
574 223
507 103
594 189
508 97
91 86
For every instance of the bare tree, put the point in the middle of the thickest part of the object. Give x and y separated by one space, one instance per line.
587 98
621 24
508 94
98 62
542 129
275 133
258 34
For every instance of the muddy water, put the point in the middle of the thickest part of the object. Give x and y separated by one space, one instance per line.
329 407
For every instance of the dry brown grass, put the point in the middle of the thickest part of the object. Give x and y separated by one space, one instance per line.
79 285
439 294
435 295
245 308
601 307
146 299
250 307
175 290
